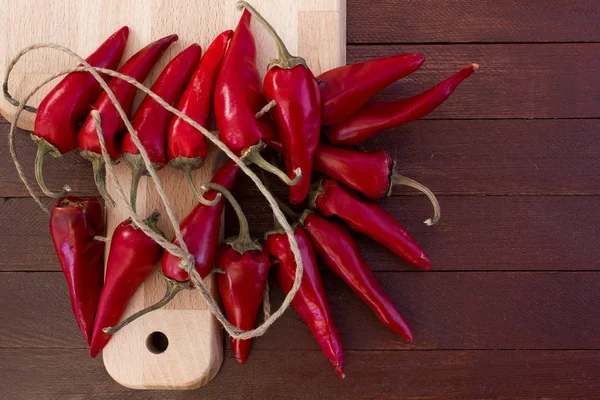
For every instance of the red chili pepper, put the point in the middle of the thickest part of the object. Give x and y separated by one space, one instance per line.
201 229
131 259
246 266
340 253
347 88
369 218
379 115
73 224
310 301
238 98
186 147
65 107
370 173
151 120
297 114
137 67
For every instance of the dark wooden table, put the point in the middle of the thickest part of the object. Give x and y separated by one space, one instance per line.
512 308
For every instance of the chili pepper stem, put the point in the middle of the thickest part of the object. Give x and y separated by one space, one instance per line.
46 148
397 179
285 60
187 172
243 242
252 155
316 189
99 174
138 169
173 287
303 216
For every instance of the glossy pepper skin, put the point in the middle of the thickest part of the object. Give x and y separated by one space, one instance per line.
368 218
151 120
347 88
184 141
201 229
131 259
297 114
73 224
241 289
339 252
65 107
310 301
238 95
137 67
365 172
379 115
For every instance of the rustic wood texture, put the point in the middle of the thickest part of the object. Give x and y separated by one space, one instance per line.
419 21
305 374
511 307
515 80
445 310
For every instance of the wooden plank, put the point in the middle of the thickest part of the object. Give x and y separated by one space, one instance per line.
475 233
494 157
473 21
481 233
42 373
515 80
493 310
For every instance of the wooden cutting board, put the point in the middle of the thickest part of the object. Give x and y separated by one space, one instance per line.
136 357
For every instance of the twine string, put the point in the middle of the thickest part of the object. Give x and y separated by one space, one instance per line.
180 251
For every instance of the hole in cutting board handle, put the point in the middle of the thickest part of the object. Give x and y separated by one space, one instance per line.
157 342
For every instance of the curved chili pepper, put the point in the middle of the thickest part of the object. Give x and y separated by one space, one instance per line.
340 253
137 67
246 266
61 112
131 259
74 222
347 88
201 229
310 301
151 120
186 147
238 98
297 115
379 115
369 218
370 173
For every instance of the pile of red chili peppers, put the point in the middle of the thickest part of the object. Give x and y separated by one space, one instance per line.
314 122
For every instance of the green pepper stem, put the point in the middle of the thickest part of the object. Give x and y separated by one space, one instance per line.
173 287
187 171
138 169
243 242
252 155
286 60
43 148
99 177
403 180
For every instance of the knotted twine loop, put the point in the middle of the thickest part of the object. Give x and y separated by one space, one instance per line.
181 251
